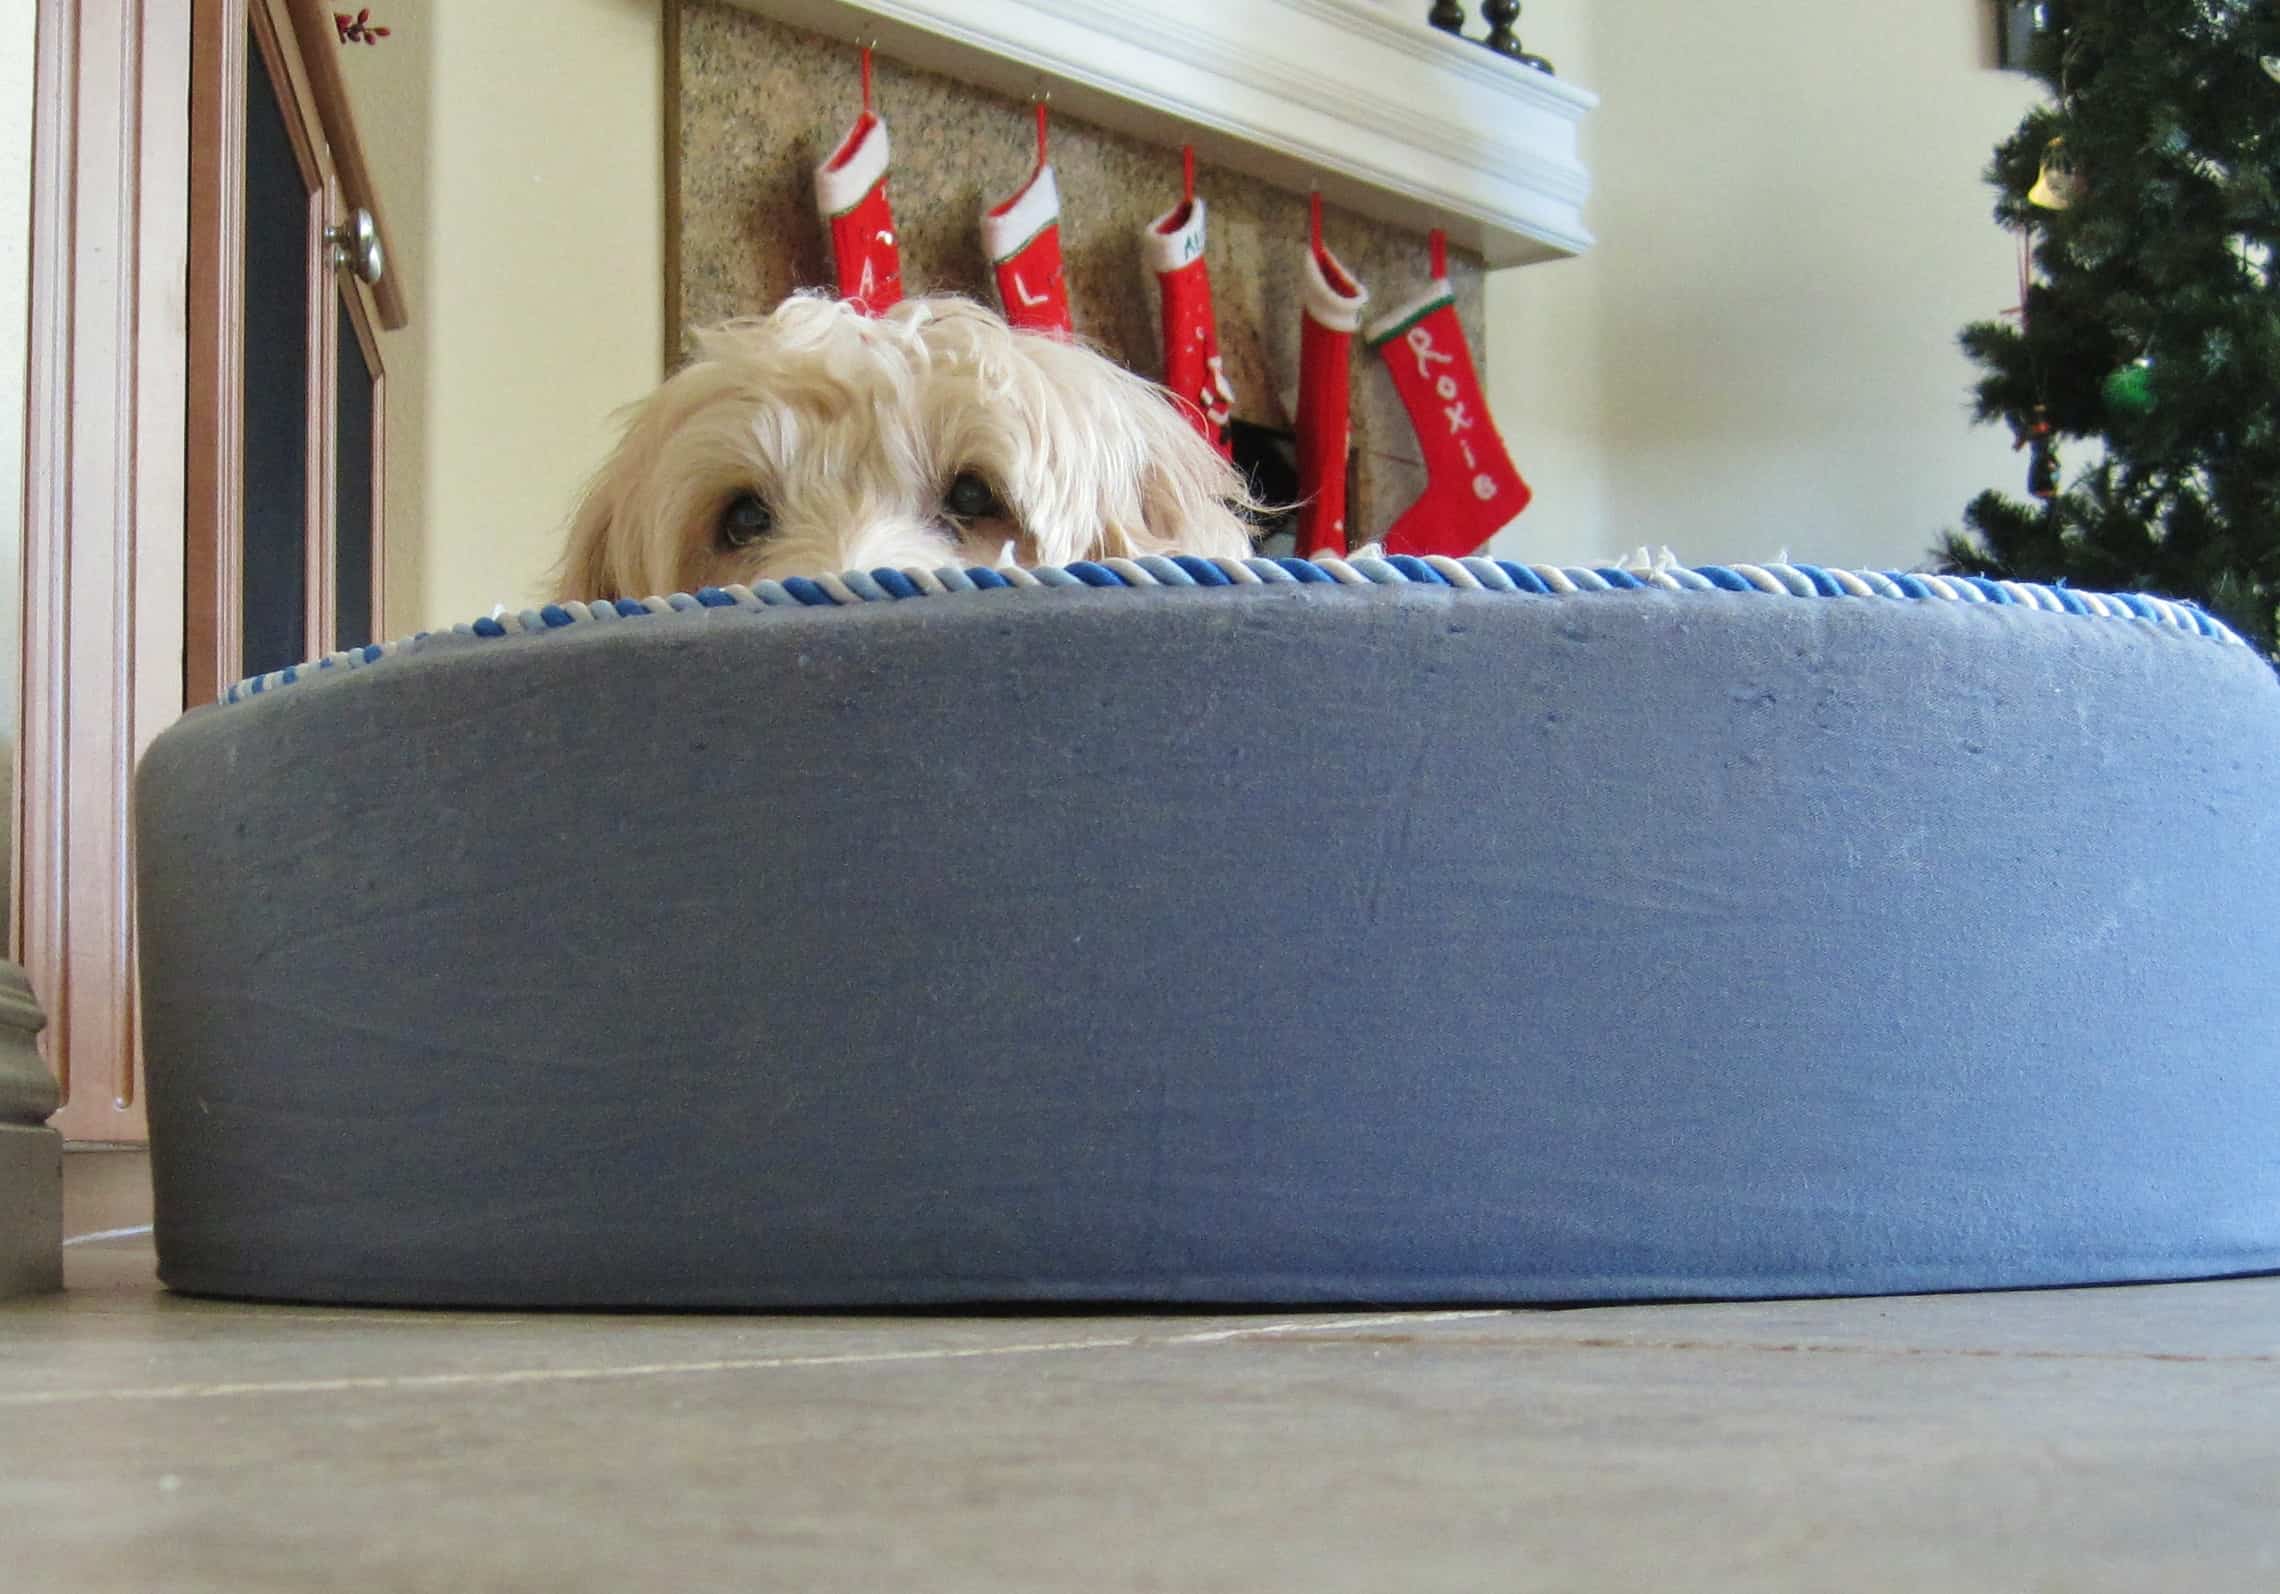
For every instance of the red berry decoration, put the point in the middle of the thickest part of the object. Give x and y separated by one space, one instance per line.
357 29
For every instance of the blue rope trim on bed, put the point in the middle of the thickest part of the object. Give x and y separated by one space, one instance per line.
1187 570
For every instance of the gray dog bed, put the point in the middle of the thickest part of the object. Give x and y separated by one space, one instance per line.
1256 932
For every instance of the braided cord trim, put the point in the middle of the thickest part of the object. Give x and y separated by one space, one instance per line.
1399 570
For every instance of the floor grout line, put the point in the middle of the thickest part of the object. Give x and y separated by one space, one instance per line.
1796 1347
1304 1331
631 1370
1334 1326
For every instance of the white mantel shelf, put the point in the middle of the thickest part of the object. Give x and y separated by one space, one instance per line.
1357 97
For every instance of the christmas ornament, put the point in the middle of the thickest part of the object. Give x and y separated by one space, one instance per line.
1023 236
1472 489
1172 245
2129 391
2271 65
2042 463
851 193
2042 471
1333 303
2058 185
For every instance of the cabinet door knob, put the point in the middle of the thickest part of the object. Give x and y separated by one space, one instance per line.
356 247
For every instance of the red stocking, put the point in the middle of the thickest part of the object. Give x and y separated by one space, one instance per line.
1472 491
1173 247
1023 237
1334 302
851 191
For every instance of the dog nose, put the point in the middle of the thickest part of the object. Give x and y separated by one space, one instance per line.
895 543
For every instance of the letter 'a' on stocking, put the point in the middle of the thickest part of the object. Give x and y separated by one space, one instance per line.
1333 302
1472 489
1172 245
1023 237
851 192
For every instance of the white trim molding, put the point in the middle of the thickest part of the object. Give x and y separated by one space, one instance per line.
1357 97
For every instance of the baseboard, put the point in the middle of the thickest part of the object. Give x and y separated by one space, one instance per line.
31 1210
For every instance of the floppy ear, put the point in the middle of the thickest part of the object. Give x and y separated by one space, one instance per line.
621 542
584 569
607 553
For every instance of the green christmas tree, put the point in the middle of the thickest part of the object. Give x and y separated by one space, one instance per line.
2148 189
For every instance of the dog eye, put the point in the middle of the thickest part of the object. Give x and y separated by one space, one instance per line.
744 522
971 498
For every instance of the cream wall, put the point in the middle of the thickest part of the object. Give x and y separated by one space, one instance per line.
520 154
390 90
1546 378
1761 352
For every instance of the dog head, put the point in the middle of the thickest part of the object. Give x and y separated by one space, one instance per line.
817 439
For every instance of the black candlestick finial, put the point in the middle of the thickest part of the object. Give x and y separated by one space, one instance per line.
1448 16
1503 39
1503 35
1501 15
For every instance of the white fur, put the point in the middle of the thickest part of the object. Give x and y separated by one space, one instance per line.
851 428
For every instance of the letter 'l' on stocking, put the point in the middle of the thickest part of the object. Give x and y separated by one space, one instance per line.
1023 237
1472 489
851 192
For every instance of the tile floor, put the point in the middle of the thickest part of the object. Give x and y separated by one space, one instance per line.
2066 1441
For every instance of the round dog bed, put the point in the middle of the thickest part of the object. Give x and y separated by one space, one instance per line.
1247 932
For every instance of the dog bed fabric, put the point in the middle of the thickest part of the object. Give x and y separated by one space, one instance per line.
1250 932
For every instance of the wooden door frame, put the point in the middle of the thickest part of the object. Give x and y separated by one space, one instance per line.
102 592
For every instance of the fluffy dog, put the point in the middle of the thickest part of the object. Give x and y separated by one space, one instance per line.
816 439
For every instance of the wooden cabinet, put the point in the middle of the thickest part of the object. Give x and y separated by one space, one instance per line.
288 280
205 448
